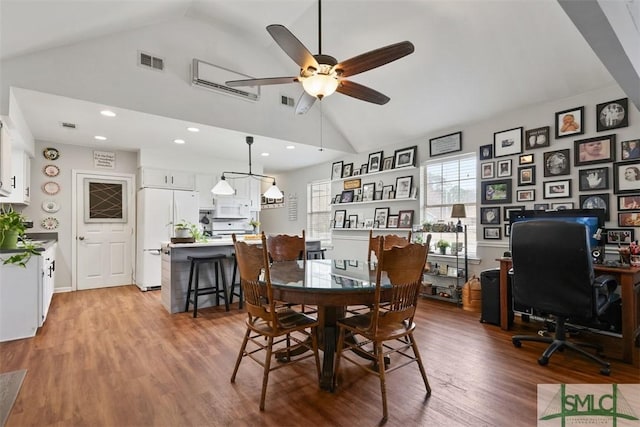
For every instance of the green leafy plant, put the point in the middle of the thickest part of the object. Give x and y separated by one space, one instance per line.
442 244
254 223
11 225
194 230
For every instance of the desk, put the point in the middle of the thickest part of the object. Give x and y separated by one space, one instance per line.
629 281
331 285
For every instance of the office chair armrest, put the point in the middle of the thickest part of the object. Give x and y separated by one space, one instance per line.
606 285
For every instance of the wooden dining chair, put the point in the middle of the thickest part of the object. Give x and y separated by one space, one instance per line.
282 328
388 327
284 247
390 240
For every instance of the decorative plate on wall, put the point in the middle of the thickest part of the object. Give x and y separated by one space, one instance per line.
50 206
50 188
50 223
51 153
51 170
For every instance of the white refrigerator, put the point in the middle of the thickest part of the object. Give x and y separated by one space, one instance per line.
158 210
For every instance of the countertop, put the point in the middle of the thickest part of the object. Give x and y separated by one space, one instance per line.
42 242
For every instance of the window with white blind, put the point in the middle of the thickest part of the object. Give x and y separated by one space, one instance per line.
319 210
448 181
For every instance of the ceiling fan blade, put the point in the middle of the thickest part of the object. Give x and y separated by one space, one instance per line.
304 103
361 92
262 82
292 46
374 58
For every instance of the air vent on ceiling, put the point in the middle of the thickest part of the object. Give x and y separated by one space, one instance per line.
150 61
286 100
213 77
68 125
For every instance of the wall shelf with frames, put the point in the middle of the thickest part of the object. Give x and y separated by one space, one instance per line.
390 230
406 199
367 175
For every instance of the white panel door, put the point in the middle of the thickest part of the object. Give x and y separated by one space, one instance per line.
104 249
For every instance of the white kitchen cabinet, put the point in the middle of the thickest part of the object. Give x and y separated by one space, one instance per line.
25 295
204 184
20 177
163 178
247 188
5 161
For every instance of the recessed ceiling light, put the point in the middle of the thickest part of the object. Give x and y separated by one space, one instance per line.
100 138
291 147
179 141
192 129
108 113
264 154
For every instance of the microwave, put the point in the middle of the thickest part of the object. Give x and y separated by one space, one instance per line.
231 208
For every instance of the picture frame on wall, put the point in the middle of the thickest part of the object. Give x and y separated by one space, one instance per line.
494 192
375 162
596 201
492 233
346 196
526 176
629 219
405 157
525 159
368 192
612 115
561 206
507 230
353 221
570 122
386 191
629 203
364 169
504 168
626 177
387 163
540 206
616 236
392 221
490 215
536 138
507 142
445 144
487 170
403 187
508 210
557 163
595 179
486 152
405 219
336 170
630 150
601 149
380 217
339 217
347 170
528 195
557 189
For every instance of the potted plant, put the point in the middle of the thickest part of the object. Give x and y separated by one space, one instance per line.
254 224
442 245
12 229
186 229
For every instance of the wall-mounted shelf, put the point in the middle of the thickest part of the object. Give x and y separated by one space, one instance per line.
374 229
406 199
367 175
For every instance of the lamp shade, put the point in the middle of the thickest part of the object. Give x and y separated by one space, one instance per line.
222 188
273 192
458 211
320 85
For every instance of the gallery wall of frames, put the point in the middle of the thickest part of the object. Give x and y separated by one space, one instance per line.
558 166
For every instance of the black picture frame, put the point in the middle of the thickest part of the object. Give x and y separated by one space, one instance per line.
570 122
526 159
561 206
616 236
537 138
629 219
630 202
380 217
346 196
347 170
630 149
612 115
557 189
528 195
403 187
594 179
363 169
487 170
626 177
601 149
336 170
526 176
405 157
557 163
375 162
405 218
503 168
392 221
490 215
445 144
496 192
368 192
486 152
339 218
492 233
596 201
507 142
508 210
387 163
540 206
353 221
386 192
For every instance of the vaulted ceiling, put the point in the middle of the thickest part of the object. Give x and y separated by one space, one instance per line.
473 60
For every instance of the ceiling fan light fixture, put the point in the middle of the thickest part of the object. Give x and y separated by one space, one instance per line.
320 85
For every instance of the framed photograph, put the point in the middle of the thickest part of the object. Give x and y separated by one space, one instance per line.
490 215
629 203
536 138
593 179
629 219
540 206
347 224
612 114
596 201
368 223
507 230
527 175
403 187
352 263
387 163
494 192
617 236
346 196
507 142
363 169
561 206
486 152
557 163
347 170
368 192
336 170
570 122
392 221
601 149
353 221
405 219
626 177
405 157
356 172
377 195
375 162
487 170
508 210
525 159
386 191
525 195
630 149
339 264
504 168
492 233
351 184
445 144
339 218
557 189
380 217
336 199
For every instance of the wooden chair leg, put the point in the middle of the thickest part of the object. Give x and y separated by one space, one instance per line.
383 385
414 346
338 355
314 343
265 376
241 354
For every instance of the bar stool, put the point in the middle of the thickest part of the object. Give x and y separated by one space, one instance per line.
194 281
232 288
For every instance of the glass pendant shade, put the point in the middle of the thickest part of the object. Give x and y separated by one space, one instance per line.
320 85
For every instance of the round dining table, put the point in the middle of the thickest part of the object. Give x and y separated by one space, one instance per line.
332 285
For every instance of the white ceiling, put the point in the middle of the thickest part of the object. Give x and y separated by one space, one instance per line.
473 60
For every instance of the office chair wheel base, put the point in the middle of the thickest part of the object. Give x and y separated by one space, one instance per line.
516 343
605 371
543 361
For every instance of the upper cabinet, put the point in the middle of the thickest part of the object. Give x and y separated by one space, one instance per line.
163 178
5 162
20 177
204 184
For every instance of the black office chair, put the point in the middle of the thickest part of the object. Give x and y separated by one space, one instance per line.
553 273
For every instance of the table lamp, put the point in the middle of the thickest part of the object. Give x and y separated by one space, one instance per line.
458 211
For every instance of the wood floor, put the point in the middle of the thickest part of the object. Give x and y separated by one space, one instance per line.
115 357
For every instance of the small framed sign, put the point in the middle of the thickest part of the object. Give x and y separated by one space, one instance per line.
445 144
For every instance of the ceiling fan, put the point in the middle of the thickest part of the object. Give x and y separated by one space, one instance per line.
321 75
